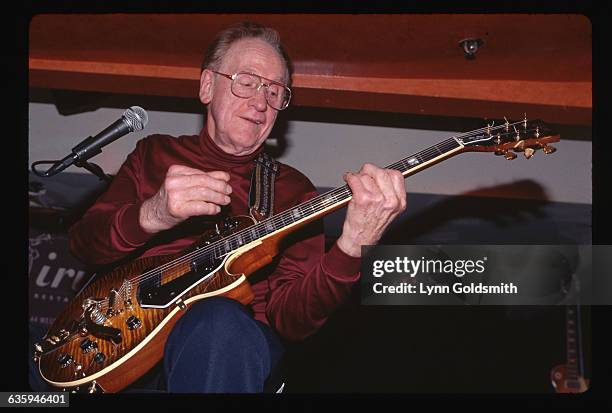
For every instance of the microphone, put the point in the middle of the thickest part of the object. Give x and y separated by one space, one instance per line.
133 119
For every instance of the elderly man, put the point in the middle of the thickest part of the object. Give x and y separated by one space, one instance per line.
169 187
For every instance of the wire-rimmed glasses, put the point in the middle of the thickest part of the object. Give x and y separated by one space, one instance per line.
245 85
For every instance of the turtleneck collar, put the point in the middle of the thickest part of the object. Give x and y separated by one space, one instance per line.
208 146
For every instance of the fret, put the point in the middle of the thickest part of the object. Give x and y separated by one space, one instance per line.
283 220
218 252
306 209
326 201
572 339
263 229
426 155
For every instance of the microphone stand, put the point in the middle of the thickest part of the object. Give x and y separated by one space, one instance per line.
90 166
94 169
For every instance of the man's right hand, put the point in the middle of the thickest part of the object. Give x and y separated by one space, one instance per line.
186 192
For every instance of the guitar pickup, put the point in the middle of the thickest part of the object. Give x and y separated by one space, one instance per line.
113 300
101 331
106 333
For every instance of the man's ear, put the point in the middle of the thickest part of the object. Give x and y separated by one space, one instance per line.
206 86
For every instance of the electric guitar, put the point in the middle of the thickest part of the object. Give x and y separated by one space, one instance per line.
569 377
115 329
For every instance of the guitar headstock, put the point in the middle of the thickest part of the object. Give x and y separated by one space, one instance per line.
508 138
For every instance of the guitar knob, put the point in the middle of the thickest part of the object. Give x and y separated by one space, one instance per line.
133 322
510 155
99 358
87 345
38 350
529 152
64 360
548 149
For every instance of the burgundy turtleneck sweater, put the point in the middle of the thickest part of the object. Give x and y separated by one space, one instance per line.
296 297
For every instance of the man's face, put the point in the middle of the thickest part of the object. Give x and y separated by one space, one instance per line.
240 126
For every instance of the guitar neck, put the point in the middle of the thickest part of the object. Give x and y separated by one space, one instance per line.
328 202
338 197
573 361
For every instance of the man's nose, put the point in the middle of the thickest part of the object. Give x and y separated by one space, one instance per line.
259 99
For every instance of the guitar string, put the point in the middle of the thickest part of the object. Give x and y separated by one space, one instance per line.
280 218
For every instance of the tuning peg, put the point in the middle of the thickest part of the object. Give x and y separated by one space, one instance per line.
518 135
510 155
519 146
529 152
548 149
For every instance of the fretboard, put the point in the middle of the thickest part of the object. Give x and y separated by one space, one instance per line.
574 368
329 201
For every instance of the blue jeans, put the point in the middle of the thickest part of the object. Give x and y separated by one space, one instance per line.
216 347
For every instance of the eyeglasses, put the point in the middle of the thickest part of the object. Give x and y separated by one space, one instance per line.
245 85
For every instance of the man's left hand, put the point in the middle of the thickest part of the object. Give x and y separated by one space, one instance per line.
379 196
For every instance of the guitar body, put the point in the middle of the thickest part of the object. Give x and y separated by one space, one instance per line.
562 382
80 349
569 377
